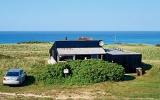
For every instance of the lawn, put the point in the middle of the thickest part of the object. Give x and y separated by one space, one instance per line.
32 57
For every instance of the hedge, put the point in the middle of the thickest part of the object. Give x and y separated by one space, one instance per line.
81 72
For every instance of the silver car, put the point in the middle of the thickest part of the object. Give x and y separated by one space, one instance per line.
14 77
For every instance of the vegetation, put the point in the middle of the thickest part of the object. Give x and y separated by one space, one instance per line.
81 72
33 58
32 42
158 45
5 57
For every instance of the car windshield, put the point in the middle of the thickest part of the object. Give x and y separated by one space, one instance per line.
12 74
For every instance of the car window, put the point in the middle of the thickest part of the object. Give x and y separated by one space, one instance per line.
12 74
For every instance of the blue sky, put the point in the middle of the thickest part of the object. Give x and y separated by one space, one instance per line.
79 15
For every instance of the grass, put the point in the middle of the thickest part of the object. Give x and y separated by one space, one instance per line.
32 42
32 57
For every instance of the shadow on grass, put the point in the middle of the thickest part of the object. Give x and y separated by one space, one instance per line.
146 67
128 78
29 81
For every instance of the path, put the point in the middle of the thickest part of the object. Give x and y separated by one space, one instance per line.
62 95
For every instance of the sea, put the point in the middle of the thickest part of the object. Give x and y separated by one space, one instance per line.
109 37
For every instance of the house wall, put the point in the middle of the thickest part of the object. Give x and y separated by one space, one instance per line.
77 57
129 62
72 44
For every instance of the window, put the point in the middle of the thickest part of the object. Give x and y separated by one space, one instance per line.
12 74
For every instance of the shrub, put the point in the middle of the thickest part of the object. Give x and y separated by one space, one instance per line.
81 72
5 57
158 45
32 42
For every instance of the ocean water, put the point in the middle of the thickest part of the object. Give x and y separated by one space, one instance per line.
108 37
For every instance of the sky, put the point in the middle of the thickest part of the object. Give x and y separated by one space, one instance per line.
79 15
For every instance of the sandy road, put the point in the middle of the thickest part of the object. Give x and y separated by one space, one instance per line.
61 95
24 95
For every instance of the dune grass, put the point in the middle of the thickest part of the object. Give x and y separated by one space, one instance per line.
32 57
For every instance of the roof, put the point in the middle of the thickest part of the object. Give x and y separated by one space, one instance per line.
14 70
77 44
120 52
78 51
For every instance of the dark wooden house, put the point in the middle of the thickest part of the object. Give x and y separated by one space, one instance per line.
77 49
92 49
129 60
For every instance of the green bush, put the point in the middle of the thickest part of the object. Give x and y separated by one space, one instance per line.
81 72
5 57
158 45
32 42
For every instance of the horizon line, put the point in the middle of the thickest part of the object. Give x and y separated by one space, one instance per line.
79 31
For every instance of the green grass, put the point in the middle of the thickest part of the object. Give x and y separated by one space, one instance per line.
32 57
